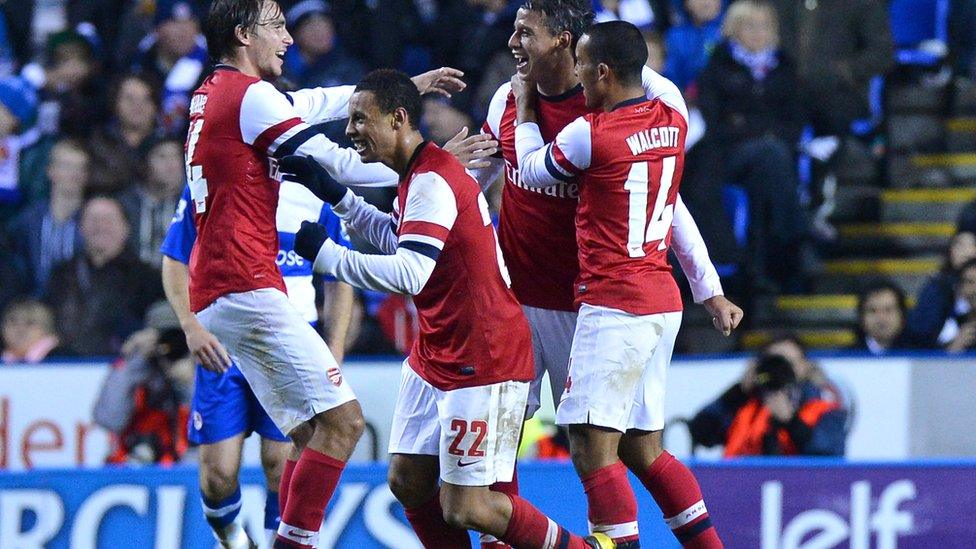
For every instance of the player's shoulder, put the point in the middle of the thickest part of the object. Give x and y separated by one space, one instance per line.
496 107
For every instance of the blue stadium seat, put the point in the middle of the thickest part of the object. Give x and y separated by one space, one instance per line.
914 22
736 202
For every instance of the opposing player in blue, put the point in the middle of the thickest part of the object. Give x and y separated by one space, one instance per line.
225 410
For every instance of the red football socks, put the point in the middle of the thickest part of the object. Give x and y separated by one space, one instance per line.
678 495
508 488
434 532
309 490
529 528
286 472
612 504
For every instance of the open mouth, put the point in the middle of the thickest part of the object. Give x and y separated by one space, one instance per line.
521 61
280 54
359 145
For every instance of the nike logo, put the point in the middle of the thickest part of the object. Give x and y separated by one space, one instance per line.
297 534
462 464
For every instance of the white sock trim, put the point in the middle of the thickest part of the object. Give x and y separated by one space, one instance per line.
221 511
616 531
696 510
298 535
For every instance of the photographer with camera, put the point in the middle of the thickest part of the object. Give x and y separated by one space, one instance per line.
777 415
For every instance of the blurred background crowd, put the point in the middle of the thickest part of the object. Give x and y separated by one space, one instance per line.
831 168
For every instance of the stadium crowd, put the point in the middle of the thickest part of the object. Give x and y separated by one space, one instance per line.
93 113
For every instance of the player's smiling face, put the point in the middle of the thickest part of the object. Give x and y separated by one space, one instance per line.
370 129
531 44
588 74
269 39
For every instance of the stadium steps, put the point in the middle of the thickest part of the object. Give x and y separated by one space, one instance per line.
919 205
894 238
812 338
961 134
851 275
821 309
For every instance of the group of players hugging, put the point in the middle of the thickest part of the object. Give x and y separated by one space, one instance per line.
575 283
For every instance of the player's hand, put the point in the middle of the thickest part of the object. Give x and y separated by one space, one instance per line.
444 81
726 315
780 405
141 342
307 172
205 348
525 93
473 151
309 240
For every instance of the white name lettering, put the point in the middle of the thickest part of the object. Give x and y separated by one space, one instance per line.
654 138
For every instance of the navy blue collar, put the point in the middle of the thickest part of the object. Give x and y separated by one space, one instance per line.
577 89
629 102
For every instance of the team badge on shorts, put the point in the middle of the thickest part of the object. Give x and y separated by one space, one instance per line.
197 420
335 376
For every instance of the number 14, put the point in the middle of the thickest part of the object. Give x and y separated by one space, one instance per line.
639 229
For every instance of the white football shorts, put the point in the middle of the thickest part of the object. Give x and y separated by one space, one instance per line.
288 366
617 369
552 339
474 430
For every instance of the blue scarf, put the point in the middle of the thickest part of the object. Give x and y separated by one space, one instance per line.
760 64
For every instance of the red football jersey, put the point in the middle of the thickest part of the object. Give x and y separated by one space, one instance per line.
536 227
472 330
628 163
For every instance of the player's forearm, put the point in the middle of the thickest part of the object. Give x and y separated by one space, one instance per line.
531 152
345 165
405 272
692 253
364 218
317 105
340 315
176 286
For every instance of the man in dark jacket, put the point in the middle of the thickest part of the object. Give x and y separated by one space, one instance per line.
839 46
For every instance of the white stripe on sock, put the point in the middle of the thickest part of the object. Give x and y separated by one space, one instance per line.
616 531
686 516
552 535
221 511
299 535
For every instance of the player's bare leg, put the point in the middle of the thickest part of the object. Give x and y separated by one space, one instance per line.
326 441
673 487
510 519
273 457
413 480
220 464
612 505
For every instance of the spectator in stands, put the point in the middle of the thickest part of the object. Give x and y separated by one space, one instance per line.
958 334
691 43
937 301
779 414
150 205
12 284
839 45
748 97
120 147
316 59
69 86
175 54
18 108
145 399
101 294
28 333
47 231
657 53
789 346
640 13
441 121
881 319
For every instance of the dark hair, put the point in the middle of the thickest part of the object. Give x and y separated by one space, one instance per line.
572 16
785 337
773 372
620 46
222 22
876 287
393 90
148 80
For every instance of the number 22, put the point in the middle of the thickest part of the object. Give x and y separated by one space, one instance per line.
460 426
639 229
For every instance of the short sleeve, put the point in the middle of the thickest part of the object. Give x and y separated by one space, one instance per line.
429 213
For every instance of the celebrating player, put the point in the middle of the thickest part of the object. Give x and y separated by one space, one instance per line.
463 387
224 409
628 160
239 125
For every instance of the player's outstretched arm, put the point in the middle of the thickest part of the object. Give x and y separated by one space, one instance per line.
203 345
404 272
443 81
375 226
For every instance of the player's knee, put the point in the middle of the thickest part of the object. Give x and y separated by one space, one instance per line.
459 515
216 483
407 490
